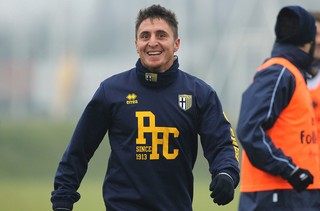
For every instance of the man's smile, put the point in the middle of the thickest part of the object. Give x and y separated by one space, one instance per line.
154 53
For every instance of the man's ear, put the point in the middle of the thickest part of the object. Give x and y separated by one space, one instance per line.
176 45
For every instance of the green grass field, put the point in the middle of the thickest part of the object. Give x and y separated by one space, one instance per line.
29 155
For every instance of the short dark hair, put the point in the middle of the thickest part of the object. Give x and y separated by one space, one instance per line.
157 11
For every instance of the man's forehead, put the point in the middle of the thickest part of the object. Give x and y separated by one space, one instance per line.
155 23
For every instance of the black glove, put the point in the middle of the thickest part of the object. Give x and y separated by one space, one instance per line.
300 179
222 187
61 209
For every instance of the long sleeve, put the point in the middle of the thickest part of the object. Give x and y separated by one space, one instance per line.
87 136
217 138
262 103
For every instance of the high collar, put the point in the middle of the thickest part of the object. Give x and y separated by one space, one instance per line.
296 56
157 80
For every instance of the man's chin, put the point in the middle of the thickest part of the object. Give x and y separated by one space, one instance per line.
154 68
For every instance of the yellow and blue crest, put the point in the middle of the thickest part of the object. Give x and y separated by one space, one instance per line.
185 101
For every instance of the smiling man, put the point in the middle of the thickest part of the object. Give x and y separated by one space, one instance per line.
156 42
153 114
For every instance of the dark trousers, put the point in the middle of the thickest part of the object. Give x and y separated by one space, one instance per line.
280 200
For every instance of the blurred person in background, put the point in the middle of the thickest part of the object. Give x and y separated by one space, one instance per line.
153 114
280 167
314 81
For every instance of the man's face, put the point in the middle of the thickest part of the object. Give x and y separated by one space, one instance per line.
156 45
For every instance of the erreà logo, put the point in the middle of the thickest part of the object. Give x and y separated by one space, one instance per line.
185 101
132 99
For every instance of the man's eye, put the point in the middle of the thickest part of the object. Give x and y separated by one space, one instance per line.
144 36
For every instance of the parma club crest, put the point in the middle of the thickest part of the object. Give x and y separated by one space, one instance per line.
185 101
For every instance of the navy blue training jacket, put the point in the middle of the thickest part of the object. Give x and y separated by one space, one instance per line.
153 122
270 91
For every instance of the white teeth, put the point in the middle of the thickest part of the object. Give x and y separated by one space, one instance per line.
154 53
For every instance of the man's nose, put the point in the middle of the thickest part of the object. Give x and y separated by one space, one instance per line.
153 41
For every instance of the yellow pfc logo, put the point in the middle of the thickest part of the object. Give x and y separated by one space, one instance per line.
159 135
